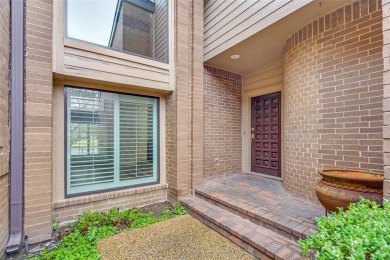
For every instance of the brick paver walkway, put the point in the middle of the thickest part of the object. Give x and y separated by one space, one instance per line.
256 213
262 200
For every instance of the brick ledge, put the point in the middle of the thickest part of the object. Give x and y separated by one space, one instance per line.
107 195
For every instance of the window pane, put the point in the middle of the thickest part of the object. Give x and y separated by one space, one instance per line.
91 138
136 140
111 140
135 26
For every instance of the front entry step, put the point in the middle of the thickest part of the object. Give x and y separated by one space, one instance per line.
292 227
264 202
259 241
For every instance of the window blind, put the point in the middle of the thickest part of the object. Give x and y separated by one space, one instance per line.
111 140
136 140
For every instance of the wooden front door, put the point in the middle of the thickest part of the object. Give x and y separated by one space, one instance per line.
265 134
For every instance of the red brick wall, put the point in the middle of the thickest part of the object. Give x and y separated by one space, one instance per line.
333 96
222 122
4 142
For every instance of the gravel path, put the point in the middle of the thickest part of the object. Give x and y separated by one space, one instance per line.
179 238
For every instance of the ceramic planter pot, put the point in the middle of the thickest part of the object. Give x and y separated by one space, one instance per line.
339 188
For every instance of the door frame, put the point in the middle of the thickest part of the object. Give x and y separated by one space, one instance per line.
246 126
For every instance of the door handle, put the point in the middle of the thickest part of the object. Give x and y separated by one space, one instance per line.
252 134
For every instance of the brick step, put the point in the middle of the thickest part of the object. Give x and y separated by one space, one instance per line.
284 223
257 240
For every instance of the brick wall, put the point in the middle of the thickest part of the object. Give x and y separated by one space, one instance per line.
142 32
38 121
333 96
179 109
69 209
197 134
4 142
138 30
222 122
386 99
185 104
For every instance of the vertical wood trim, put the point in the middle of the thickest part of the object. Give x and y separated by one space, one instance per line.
58 36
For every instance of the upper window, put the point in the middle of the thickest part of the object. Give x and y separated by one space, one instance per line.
112 140
136 26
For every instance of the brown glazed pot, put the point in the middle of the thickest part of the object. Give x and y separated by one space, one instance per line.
338 188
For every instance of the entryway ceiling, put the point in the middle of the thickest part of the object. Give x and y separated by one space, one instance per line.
266 46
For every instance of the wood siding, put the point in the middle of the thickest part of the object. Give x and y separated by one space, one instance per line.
230 22
91 62
267 76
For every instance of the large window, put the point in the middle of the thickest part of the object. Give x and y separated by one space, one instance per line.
111 140
136 26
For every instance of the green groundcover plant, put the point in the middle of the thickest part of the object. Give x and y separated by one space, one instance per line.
80 242
361 232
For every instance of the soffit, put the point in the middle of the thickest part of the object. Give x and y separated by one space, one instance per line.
266 46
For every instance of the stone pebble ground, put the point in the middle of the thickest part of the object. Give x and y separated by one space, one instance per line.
182 237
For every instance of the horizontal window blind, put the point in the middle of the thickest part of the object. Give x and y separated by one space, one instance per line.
136 140
111 140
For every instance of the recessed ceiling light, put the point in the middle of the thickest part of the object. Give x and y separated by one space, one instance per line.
235 57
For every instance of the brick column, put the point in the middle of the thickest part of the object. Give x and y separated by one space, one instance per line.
386 96
333 96
4 133
197 92
185 104
38 121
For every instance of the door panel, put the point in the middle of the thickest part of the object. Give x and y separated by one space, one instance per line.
265 134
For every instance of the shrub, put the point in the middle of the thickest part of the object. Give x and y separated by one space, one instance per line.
361 232
81 241
56 224
78 246
179 210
